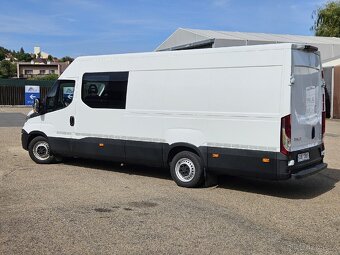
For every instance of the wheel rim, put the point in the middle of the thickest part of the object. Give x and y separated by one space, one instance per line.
41 150
185 170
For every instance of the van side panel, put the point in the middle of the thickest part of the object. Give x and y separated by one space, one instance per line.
147 153
207 106
218 110
88 147
240 162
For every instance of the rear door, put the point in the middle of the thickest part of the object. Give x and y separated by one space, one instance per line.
307 104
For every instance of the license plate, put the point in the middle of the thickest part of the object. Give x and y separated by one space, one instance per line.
303 156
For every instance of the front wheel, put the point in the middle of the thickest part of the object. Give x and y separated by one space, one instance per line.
187 169
39 151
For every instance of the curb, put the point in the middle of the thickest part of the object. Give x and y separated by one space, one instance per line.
15 106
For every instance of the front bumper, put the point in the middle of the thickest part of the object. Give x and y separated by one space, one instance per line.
24 139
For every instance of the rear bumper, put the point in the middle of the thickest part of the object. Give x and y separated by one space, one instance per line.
301 169
249 163
309 171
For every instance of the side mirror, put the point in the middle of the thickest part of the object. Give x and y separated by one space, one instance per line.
36 105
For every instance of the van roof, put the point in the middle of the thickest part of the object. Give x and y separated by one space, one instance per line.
197 51
165 60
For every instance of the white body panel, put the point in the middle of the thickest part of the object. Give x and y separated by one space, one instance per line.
227 97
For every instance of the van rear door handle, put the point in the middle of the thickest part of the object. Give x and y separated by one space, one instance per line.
72 121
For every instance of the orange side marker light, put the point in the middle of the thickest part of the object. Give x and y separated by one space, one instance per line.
265 160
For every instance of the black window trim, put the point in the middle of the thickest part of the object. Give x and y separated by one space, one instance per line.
127 73
57 93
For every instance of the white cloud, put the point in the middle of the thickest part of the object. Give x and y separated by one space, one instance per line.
31 25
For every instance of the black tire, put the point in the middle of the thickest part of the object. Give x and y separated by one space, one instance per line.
39 151
187 169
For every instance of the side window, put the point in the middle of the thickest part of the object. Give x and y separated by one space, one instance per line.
105 90
60 95
51 97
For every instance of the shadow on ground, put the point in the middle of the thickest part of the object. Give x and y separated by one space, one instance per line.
308 188
153 172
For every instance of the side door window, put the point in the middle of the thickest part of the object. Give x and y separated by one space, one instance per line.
105 90
60 95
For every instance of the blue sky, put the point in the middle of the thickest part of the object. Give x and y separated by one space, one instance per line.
84 27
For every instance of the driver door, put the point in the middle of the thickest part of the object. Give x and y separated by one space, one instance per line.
58 120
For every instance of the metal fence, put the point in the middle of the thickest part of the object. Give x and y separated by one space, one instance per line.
12 91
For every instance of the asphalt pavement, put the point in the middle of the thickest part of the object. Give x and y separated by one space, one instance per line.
10 119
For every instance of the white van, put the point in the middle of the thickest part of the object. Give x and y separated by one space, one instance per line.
254 111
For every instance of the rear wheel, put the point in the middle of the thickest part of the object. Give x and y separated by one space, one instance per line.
187 169
39 151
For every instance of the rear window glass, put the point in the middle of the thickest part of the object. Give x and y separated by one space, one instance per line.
306 59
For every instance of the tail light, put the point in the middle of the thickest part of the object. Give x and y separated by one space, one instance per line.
286 135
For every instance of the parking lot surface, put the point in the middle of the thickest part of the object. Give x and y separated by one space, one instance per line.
89 207
10 119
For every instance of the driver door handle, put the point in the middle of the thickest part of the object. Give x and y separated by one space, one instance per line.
72 121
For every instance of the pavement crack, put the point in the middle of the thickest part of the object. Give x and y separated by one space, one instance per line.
8 174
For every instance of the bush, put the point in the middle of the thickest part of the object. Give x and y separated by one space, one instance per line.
7 69
48 77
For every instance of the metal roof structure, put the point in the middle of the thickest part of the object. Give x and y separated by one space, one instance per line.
332 62
184 38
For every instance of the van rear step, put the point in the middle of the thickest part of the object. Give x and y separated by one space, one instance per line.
309 171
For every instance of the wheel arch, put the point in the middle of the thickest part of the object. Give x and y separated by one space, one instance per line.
33 135
171 150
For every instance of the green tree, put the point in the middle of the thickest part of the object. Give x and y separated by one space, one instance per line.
4 50
327 19
7 69
21 55
50 58
28 57
2 55
67 58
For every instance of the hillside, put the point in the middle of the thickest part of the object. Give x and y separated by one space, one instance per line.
13 55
